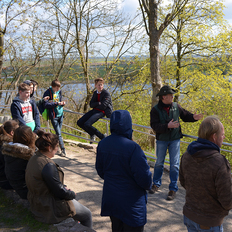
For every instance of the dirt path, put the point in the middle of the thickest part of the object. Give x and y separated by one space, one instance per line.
81 177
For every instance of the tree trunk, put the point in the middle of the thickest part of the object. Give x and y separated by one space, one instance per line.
178 62
1 50
156 80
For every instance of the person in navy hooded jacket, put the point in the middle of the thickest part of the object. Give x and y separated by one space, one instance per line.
55 108
123 166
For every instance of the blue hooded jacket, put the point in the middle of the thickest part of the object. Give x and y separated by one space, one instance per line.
17 114
123 166
201 144
50 104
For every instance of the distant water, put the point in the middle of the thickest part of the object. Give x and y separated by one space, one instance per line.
75 90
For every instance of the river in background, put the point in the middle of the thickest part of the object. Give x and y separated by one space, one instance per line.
77 91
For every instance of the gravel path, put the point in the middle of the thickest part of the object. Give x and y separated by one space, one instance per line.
81 177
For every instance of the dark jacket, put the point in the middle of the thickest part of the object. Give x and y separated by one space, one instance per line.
50 105
206 176
4 183
16 112
50 201
16 158
106 103
123 166
162 128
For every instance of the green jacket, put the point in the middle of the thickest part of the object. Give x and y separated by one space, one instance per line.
174 133
45 206
159 120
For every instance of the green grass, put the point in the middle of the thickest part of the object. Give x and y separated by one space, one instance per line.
14 216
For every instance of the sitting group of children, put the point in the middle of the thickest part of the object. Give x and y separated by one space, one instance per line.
35 176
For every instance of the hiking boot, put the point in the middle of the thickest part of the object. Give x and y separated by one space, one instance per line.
153 189
171 195
92 137
63 154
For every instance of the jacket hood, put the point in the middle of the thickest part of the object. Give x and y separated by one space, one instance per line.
202 144
5 139
121 123
17 99
17 150
52 90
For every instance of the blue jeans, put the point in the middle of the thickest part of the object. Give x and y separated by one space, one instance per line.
174 157
194 227
83 214
86 121
57 125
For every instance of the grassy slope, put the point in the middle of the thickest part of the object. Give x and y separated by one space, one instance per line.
14 217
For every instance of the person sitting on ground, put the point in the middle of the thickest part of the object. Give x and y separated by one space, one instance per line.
24 110
123 166
102 105
17 154
55 108
206 176
6 136
50 201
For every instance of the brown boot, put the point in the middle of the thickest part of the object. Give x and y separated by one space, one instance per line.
171 195
153 189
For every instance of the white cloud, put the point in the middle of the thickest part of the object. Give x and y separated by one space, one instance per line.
227 10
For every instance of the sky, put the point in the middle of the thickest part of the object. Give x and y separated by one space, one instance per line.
227 11
130 6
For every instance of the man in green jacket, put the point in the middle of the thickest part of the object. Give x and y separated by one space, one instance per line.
164 119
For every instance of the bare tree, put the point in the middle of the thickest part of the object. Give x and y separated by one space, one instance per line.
13 10
86 29
14 16
154 29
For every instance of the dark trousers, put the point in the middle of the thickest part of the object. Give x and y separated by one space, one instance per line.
86 121
119 226
5 185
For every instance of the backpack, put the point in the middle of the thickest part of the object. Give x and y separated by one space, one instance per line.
43 111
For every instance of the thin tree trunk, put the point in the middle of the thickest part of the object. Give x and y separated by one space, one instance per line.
1 50
156 80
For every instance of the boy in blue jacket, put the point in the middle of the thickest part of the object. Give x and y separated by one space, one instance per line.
24 109
55 108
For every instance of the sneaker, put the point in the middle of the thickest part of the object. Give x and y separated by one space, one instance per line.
92 137
63 154
153 189
171 195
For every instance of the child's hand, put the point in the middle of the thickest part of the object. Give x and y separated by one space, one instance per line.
61 103
46 98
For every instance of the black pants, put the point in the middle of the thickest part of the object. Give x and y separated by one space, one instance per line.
119 226
86 121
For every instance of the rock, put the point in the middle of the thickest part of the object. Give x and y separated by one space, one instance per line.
70 225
